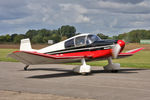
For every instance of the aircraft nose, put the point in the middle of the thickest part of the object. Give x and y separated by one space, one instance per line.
118 48
121 43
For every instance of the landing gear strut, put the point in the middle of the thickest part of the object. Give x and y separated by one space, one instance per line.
113 67
83 69
26 67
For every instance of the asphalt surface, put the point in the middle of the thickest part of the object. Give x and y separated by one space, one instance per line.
128 84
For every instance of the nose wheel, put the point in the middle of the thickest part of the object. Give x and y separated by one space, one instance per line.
112 67
26 67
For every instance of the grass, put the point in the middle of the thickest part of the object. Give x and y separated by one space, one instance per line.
139 60
4 53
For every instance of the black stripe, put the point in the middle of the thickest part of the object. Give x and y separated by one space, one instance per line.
97 45
80 49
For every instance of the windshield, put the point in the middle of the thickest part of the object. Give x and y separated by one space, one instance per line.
92 38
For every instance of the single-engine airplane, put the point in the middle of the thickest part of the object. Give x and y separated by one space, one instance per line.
83 47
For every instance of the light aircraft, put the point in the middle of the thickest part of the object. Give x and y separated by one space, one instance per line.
83 47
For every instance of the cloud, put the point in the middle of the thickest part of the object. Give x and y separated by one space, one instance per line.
76 11
107 16
126 1
128 8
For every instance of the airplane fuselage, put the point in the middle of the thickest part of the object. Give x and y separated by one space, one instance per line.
88 48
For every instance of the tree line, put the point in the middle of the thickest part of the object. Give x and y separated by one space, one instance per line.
134 36
67 31
41 36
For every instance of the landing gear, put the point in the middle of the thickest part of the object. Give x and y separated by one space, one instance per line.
83 69
25 68
114 71
113 67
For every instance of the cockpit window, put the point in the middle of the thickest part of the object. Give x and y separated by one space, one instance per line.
80 41
69 43
92 38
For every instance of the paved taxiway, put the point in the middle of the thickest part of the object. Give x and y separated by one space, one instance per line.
128 84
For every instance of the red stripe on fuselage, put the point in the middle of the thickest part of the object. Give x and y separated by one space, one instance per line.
87 54
74 55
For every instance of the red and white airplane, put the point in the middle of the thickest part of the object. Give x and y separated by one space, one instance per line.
83 47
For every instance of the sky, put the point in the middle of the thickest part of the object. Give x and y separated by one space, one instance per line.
110 17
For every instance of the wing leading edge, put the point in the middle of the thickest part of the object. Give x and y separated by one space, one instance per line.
129 53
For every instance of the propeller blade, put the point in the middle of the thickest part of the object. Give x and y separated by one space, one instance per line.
115 51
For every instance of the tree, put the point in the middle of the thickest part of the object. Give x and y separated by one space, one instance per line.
2 39
134 36
18 38
13 37
102 36
42 35
8 38
31 33
67 31
56 37
37 39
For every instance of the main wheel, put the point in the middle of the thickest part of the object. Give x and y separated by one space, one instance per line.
26 67
114 71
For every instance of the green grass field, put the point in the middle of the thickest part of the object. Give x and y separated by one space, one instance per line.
139 60
4 53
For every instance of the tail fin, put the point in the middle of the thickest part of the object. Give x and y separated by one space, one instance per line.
25 45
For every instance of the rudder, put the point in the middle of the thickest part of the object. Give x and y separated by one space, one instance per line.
25 45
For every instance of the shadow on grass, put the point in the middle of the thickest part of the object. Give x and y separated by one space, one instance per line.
70 73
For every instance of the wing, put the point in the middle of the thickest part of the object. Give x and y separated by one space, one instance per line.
31 58
129 53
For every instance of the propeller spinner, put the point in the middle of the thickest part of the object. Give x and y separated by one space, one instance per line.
117 48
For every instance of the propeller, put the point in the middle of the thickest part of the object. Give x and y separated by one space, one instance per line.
116 50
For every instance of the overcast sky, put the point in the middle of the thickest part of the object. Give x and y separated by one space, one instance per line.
110 17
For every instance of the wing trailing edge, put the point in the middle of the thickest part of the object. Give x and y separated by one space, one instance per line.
32 58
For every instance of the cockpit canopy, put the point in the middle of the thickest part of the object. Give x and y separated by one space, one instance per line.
81 40
92 39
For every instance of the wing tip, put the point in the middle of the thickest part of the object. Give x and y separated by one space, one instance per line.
135 50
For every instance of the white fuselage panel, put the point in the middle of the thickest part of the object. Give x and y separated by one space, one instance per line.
58 46
54 47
